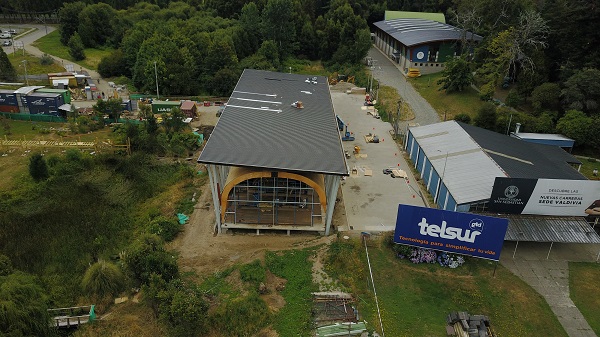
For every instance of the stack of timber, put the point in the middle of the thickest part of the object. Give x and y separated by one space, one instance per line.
461 324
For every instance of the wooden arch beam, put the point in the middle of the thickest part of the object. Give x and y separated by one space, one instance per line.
237 175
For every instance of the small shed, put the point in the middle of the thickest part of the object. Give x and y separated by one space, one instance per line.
189 108
159 107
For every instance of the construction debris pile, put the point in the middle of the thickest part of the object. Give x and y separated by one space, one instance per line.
335 315
461 324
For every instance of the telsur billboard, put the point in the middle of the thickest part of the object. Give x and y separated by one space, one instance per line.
456 232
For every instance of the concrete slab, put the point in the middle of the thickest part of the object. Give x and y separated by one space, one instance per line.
372 201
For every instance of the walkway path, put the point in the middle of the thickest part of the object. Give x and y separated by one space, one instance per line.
550 278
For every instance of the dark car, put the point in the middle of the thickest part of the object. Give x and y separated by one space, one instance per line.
387 171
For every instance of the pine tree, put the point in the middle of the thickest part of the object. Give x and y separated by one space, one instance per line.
76 47
7 71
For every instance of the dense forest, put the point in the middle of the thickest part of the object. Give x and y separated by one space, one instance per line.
544 53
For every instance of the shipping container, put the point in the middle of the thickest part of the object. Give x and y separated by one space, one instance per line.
21 93
9 108
43 103
66 94
159 107
127 105
8 97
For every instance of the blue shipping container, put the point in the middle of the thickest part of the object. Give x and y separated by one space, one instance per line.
8 97
43 103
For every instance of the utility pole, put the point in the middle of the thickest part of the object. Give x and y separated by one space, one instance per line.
156 77
25 66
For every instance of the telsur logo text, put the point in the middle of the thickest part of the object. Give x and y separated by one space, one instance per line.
446 232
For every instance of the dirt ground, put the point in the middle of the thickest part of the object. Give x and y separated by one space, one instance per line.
204 252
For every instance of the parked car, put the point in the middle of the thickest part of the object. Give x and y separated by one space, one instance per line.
5 36
6 43
11 31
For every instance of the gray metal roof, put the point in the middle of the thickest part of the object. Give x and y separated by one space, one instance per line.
521 159
468 172
259 127
544 136
411 32
549 229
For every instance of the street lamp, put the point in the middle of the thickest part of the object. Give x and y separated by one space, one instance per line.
156 77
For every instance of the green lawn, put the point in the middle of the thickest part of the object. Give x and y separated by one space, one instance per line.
415 299
588 166
466 101
34 65
584 283
51 44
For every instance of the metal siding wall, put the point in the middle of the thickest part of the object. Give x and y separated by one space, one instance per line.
442 196
413 151
435 178
426 170
451 203
463 208
421 163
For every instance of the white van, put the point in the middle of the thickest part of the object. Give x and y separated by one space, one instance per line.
5 36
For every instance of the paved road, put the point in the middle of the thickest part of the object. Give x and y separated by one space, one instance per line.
389 73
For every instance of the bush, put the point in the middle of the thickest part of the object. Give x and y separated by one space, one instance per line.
486 116
164 227
514 99
147 256
46 60
103 278
38 169
463 118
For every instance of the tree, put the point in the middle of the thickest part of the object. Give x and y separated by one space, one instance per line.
23 309
95 24
456 75
147 256
486 116
575 125
5 266
582 91
68 17
276 17
7 71
546 97
38 169
224 81
113 65
103 278
76 48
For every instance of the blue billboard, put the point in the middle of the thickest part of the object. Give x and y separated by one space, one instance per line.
462 233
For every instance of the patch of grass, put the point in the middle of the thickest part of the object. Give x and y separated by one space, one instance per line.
415 299
34 65
466 101
50 44
585 291
588 166
294 319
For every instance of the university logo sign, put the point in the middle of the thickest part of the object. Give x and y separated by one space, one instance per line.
543 196
463 233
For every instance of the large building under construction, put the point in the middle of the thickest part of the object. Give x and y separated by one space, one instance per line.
275 158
